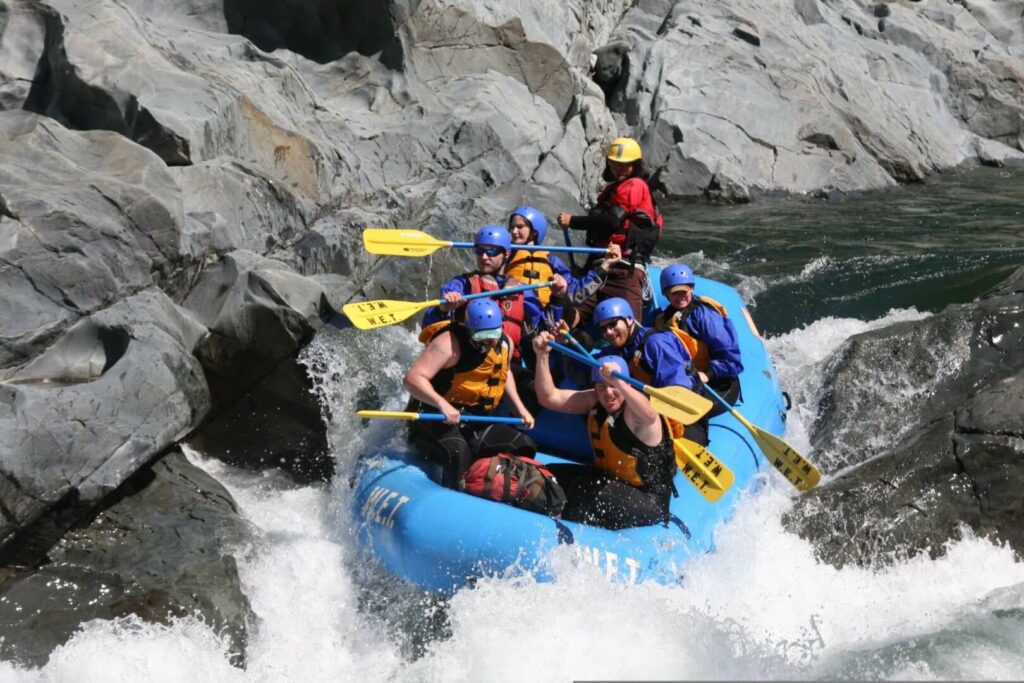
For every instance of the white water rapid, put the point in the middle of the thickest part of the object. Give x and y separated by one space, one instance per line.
760 607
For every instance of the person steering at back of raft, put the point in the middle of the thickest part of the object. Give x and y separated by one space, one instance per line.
625 214
630 483
655 358
465 369
492 247
704 328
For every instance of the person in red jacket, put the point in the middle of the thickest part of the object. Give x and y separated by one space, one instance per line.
625 214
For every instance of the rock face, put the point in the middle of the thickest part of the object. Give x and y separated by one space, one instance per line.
957 462
138 557
180 180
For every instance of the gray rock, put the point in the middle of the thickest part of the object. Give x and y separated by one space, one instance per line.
159 547
259 314
955 464
110 395
90 219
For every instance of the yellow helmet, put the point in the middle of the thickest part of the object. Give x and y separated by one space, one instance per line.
624 150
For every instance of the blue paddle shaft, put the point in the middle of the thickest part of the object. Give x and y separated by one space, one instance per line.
539 247
718 398
500 292
438 417
594 363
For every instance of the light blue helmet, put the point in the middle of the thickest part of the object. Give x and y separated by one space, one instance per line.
620 362
483 319
609 309
534 217
493 236
675 275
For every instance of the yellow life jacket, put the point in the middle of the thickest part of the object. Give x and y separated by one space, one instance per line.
616 449
476 382
698 348
531 268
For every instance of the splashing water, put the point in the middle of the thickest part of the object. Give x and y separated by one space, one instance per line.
762 606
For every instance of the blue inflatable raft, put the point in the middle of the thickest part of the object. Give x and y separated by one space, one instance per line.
442 540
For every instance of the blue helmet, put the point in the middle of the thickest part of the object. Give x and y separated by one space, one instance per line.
534 217
675 275
483 315
623 367
609 309
493 236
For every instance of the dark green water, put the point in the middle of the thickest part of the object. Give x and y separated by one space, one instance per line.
801 259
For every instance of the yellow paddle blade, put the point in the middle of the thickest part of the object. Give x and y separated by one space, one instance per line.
369 315
401 242
387 415
707 473
677 403
797 469
793 466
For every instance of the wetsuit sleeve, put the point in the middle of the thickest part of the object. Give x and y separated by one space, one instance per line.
668 360
598 224
559 267
592 281
533 311
719 334
457 284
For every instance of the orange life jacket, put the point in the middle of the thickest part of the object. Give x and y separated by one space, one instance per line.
617 450
531 268
476 382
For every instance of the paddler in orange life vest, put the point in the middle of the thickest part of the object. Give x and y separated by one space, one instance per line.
703 326
465 369
491 246
655 358
630 483
624 214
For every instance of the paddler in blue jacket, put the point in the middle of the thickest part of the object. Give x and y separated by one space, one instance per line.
655 358
630 483
703 326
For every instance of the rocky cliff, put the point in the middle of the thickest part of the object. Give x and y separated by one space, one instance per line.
183 184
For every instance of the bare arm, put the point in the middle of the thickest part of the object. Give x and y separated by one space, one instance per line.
641 418
441 353
550 396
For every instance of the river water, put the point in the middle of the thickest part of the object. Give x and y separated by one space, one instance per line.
814 272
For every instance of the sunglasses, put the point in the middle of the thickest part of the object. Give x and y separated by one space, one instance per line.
609 325
489 251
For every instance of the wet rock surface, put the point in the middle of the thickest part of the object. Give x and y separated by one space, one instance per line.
161 547
945 452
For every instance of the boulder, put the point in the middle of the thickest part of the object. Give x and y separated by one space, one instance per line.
116 390
89 219
259 314
160 546
940 446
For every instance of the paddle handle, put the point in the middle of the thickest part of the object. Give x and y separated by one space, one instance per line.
500 292
537 247
568 243
594 363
